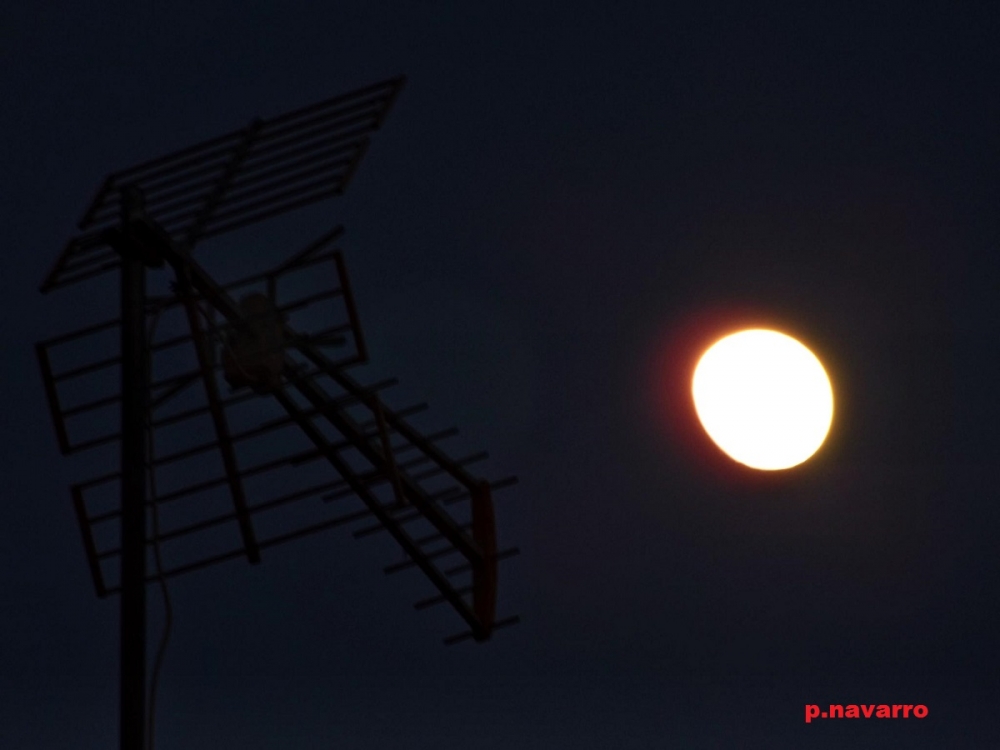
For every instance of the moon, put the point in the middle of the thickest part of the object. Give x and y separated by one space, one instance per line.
763 398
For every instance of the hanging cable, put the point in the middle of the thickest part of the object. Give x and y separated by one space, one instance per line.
168 615
216 336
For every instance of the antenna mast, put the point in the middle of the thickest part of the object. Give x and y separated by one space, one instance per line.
153 215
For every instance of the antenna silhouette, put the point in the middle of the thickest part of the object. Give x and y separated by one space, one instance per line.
256 334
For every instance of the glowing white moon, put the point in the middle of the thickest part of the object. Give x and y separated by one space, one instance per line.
763 398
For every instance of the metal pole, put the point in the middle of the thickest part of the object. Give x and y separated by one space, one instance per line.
135 382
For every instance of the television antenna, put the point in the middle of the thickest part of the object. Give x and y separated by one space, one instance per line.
242 332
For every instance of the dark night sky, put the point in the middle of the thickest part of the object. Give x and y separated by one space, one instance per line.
562 199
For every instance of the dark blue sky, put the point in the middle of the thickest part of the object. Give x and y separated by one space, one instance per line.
561 198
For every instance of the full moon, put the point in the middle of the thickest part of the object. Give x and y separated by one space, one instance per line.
763 398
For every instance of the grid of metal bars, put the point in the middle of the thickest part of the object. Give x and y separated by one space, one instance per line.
226 183
345 330
394 475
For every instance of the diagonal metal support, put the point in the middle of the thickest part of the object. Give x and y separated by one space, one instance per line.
218 417
381 512
222 185
343 423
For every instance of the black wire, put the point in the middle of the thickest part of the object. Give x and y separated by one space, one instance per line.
168 615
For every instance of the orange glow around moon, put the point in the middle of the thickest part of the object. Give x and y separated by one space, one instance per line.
763 398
